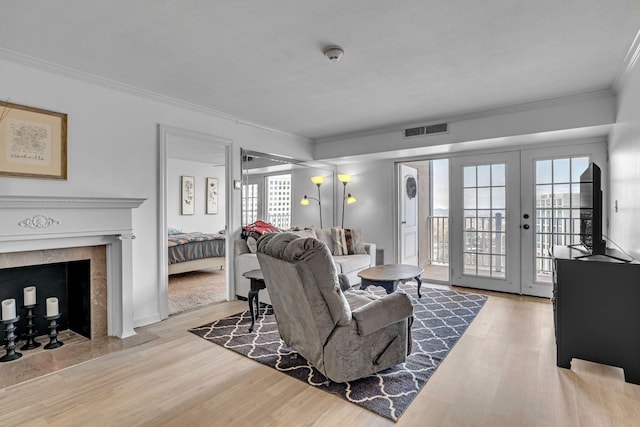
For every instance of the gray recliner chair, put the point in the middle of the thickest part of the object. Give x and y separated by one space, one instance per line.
345 335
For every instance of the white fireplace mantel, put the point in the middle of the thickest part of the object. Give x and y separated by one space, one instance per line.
30 223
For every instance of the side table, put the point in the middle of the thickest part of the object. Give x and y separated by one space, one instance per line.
257 283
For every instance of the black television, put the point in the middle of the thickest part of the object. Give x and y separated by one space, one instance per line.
591 210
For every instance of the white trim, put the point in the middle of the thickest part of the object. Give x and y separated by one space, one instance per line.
629 62
165 133
39 202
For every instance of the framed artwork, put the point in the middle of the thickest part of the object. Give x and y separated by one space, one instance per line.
187 195
212 196
33 142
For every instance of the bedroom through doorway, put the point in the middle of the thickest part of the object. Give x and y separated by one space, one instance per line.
195 178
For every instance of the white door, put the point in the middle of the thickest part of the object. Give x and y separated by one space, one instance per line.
485 210
408 215
550 206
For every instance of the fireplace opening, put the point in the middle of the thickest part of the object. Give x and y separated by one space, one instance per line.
69 281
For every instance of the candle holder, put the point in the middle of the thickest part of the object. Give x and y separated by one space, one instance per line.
53 332
10 338
31 332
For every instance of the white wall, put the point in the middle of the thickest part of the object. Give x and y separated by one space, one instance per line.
199 221
624 158
113 151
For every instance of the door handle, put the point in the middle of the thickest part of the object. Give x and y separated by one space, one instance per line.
403 222
526 226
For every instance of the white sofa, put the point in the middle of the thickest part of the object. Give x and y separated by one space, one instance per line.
349 265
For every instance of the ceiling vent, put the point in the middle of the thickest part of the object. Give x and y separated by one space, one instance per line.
426 130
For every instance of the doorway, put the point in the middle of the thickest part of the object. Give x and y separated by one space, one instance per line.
424 217
509 209
202 157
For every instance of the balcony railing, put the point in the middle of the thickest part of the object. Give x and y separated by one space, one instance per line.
282 221
439 240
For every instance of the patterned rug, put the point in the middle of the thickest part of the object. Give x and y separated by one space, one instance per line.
441 317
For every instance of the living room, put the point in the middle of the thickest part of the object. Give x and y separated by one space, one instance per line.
113 124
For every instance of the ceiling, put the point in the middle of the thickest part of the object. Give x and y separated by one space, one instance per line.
405 61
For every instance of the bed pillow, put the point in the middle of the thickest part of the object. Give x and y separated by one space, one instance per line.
173 230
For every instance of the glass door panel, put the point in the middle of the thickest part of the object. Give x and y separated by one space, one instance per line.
484 228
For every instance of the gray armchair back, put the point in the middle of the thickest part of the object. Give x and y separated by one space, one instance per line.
345 335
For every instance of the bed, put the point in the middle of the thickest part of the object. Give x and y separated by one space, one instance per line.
195 251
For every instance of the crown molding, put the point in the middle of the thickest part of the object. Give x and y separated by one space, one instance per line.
473 115
627 65
20 202
48 66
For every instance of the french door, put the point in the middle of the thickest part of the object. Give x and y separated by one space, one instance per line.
509 209
484 221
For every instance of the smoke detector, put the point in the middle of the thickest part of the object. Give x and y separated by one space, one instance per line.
333 53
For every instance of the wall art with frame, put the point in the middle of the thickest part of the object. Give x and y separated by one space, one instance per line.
187 195
212 196
33 142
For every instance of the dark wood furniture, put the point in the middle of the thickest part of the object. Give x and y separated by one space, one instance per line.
388 276
596 308
257 284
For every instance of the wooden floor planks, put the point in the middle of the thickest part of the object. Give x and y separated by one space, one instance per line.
501 373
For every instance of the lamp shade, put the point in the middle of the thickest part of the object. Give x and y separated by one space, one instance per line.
350 199
317 180
304 201
344 177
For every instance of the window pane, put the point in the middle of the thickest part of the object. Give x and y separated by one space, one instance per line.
469 176
484 176
543 172
498 175
561 170
578 165
498 264
470 198
498 200
484 198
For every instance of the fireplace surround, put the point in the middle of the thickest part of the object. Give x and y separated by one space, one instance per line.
43 230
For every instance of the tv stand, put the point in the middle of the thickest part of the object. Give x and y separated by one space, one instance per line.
596 309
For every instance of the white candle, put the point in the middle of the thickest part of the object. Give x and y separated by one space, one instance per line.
52 307
8 309
30 295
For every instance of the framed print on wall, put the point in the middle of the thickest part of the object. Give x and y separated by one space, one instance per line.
187 195
212 196
33 142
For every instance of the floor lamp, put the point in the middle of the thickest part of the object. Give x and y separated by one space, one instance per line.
317 180
345 179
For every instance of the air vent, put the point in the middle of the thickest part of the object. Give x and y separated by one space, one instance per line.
426 130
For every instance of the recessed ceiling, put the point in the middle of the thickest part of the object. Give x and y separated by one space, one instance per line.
404 62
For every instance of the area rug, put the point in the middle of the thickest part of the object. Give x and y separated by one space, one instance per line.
195 289
441 317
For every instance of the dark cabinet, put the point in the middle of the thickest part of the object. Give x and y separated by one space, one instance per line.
596 308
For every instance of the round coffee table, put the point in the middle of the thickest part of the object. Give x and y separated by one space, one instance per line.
389 275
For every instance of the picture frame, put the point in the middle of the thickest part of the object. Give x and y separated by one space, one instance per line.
187 195
212 196
33 142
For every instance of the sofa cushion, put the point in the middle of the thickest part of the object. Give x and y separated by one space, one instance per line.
348 263
252 244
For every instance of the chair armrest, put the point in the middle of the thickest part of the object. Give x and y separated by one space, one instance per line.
382 312
370 248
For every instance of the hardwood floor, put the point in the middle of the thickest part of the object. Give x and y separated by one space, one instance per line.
501 373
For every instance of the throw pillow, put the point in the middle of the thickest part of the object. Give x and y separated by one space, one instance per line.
252 243
355 243
339 242
324 235
308 232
